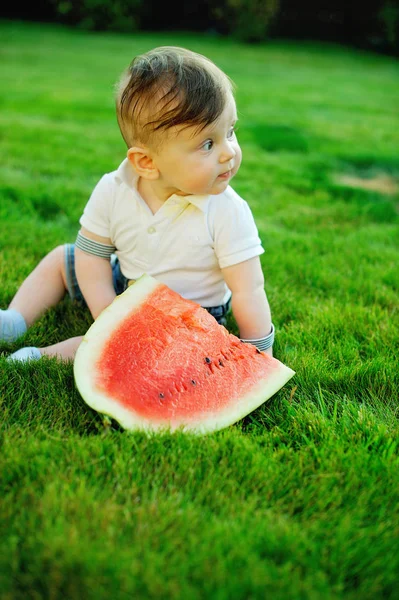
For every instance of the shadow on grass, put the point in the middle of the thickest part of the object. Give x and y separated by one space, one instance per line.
42 394
276 138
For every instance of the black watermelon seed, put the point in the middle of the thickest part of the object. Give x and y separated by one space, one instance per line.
257 350
207 360
193 382
161 395
221 364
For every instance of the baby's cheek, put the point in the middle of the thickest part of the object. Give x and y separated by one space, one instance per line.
198 181
238 159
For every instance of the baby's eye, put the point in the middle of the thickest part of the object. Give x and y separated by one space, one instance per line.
208 145
231 132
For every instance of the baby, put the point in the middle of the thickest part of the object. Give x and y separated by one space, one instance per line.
168 210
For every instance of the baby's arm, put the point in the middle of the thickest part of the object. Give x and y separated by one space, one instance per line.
249 302
94 276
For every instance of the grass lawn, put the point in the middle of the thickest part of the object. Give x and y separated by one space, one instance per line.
300 500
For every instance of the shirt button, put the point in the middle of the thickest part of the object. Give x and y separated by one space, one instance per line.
151 230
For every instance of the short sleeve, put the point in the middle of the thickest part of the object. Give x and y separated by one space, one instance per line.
95 216
235 233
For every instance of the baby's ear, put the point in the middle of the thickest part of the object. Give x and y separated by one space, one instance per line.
142 162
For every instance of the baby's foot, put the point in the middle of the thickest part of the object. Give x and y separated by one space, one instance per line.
25 354
12 325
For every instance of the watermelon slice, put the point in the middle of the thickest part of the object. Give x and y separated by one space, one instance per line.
153 361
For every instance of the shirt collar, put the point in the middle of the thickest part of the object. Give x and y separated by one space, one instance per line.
199 201
126 175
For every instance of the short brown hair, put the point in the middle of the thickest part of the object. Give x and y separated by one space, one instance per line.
169 86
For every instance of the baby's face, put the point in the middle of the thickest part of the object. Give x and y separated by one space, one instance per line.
200 163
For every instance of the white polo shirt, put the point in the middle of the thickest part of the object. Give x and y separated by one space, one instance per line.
185 244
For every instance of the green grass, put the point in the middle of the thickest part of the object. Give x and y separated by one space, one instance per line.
300 499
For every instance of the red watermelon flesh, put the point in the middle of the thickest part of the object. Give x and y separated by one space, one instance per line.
154 360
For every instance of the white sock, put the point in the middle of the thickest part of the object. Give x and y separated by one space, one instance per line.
25 354
12 325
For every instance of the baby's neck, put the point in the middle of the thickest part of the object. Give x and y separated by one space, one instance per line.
153 195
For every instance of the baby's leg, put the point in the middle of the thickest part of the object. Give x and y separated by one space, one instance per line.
42 289
65 350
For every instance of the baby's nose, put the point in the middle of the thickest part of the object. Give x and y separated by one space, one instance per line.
228 152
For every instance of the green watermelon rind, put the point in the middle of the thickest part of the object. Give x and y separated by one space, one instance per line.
90 350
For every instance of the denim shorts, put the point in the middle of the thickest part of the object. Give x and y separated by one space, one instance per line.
121 283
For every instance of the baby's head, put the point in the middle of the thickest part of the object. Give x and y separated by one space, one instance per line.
165 88
177 115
